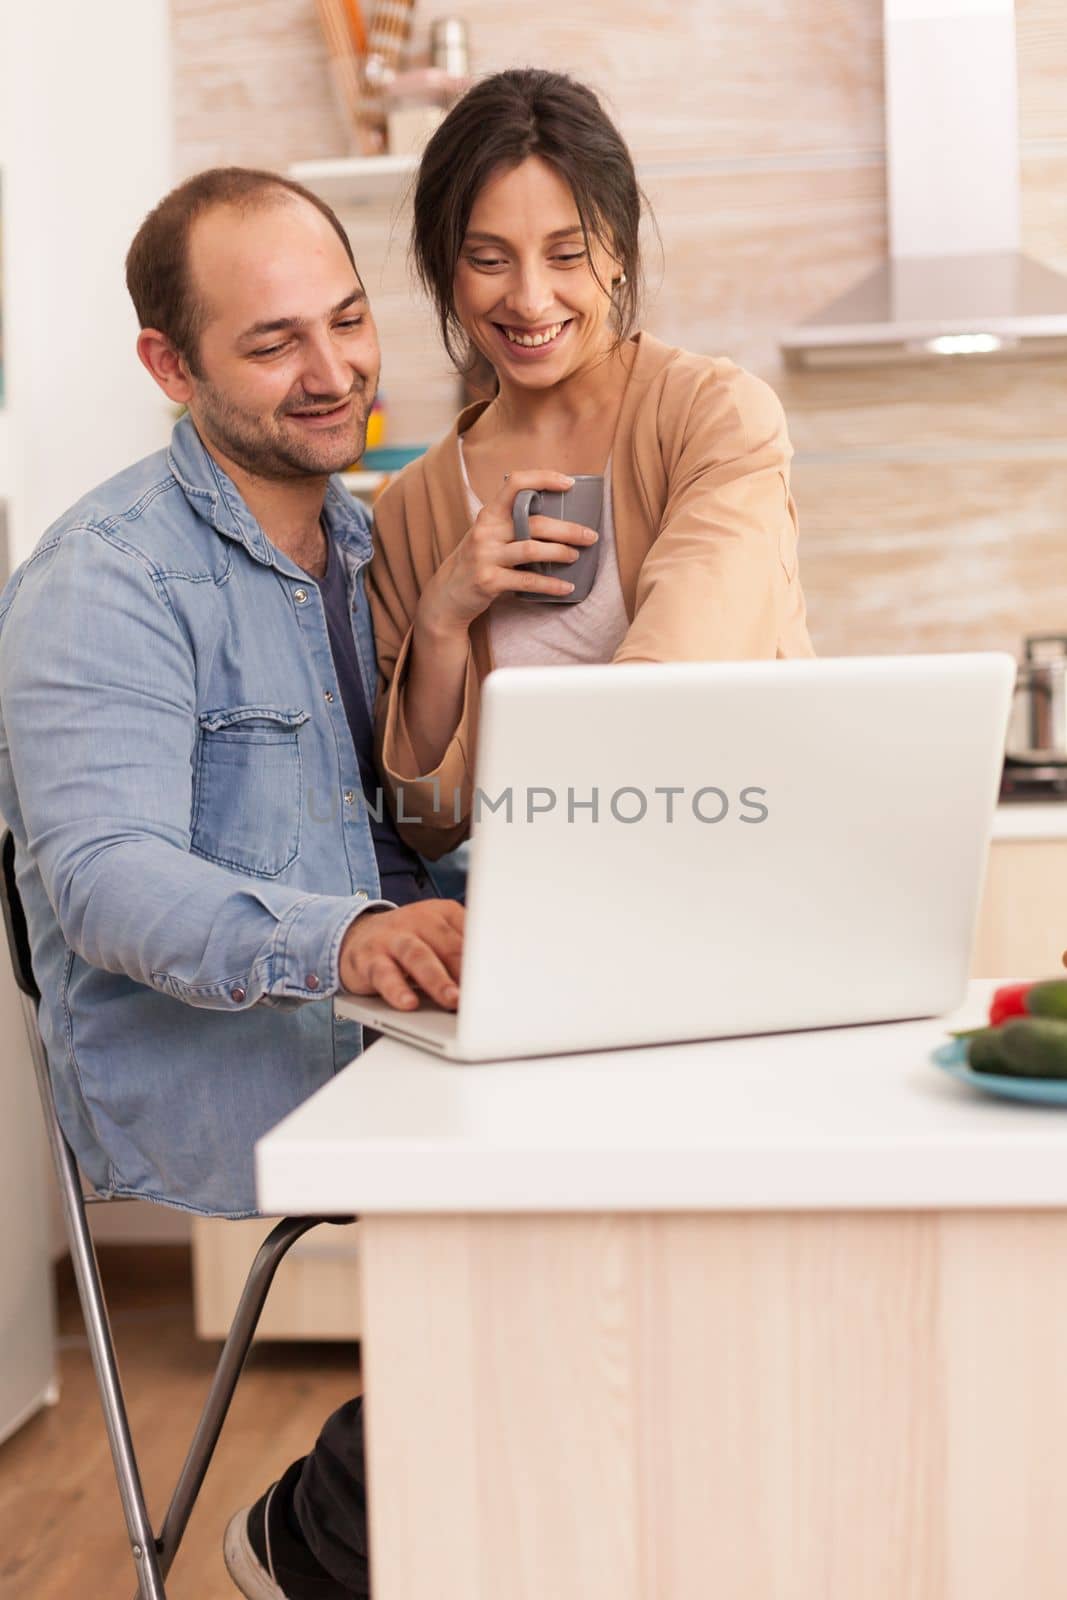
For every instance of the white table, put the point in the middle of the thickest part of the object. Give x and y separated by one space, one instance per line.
767 1319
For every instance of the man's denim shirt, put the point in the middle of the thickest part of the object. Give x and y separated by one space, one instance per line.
191 838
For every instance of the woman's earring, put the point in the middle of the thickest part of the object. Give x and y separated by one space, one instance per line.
619 281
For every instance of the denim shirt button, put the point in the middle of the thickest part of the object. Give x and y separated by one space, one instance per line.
327 695
300 595
350 797
312 980
361 894
237 994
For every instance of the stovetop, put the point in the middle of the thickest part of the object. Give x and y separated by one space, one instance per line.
1021 782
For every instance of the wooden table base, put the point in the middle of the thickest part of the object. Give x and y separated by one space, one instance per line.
820 1406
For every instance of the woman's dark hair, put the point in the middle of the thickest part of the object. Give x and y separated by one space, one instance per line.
500 122
157 263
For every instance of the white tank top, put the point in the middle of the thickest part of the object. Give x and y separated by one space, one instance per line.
525 634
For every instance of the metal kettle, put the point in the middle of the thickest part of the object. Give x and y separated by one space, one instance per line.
1037 728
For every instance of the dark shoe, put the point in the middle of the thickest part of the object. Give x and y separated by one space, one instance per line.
253 1574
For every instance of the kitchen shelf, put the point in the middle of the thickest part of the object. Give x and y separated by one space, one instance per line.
346 181
356 180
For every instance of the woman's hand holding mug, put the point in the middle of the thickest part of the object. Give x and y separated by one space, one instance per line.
490 560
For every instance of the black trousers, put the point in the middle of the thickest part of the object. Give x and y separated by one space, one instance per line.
330 1502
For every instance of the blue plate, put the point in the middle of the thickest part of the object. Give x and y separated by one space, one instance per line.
952 1058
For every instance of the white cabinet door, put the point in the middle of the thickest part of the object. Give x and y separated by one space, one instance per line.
27 1338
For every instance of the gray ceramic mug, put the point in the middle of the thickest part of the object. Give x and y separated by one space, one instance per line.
583 503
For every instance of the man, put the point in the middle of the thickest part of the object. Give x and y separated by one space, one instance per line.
186 675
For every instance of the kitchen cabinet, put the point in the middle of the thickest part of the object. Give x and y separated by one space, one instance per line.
1022 926
315 1295
28 1374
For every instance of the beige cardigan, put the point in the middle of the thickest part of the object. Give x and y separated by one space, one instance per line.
706 541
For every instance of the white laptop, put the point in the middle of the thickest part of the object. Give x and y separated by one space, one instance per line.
692 851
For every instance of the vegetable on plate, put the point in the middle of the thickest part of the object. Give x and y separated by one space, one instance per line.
1027 1032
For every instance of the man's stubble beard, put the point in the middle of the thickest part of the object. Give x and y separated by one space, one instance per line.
242 439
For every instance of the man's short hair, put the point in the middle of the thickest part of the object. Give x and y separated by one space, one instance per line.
157 263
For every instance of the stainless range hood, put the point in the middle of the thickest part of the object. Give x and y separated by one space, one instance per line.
956 283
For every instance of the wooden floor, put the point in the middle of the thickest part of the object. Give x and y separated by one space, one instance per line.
61 1531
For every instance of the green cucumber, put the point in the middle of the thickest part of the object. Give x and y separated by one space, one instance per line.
1034 1047
1048 999
983 1050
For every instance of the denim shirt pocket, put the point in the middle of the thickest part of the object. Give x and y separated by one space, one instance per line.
248 788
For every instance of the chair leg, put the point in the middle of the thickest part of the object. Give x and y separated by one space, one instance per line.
153 1556
234 1354
98 1329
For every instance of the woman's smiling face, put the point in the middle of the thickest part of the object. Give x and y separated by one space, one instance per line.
526 285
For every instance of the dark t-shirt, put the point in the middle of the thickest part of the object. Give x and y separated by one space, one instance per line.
402 874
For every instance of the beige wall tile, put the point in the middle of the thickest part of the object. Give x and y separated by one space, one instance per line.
421 390
1044 207
932 556
724 82
746 254
251 84
1041 42
715 82
969 408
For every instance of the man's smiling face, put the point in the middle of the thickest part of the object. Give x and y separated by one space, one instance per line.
288 353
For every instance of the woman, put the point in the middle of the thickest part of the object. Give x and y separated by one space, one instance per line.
525 235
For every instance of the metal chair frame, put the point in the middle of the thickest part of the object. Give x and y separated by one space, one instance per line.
152 1554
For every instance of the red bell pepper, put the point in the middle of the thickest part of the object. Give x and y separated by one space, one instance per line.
1008 1001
